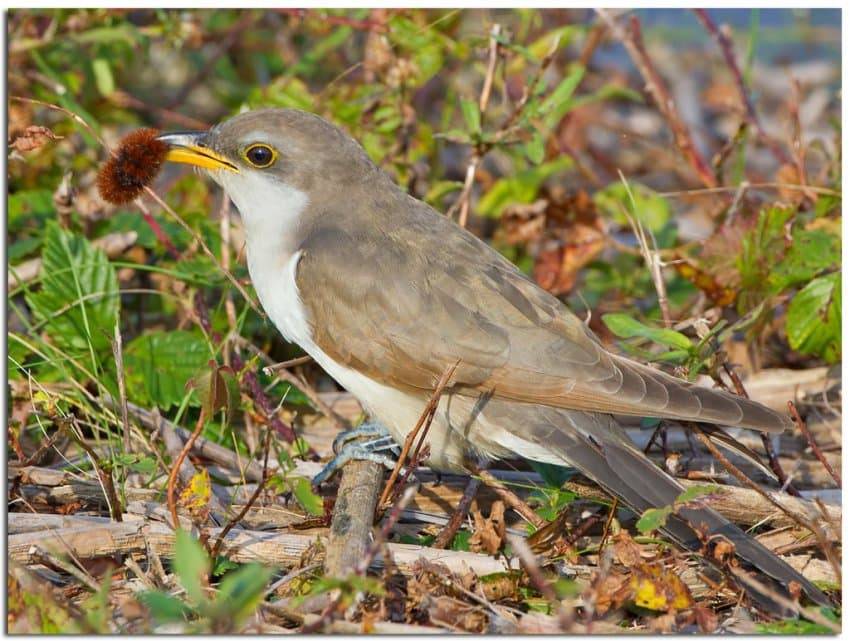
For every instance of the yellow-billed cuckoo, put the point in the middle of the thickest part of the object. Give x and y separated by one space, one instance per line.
386 294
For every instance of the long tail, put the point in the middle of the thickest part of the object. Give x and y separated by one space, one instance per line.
597 446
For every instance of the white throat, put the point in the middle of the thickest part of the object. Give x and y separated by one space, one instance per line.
271 213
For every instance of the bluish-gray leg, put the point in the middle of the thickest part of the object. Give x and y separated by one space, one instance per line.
347 446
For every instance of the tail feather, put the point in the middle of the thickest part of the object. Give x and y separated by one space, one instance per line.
596 446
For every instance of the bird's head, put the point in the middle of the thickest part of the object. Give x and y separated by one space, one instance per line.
272 159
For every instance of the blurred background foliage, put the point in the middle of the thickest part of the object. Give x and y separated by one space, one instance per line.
537 128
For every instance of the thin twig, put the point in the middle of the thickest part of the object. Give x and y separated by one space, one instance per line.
633 42
566 618
772 458
745 480
117 352
268 370
813 614
427 415
726 47
511 499
607 529
197 238
250 503
801 424
175 469
104 474
651 256
39 555
444 538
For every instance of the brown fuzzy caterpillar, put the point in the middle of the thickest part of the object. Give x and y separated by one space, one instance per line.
135 164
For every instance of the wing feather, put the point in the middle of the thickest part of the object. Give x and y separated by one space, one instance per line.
428 293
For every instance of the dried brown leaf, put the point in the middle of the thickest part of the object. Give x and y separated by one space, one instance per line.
33 138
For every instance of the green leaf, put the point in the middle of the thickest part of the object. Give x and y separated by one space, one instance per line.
653 519
535 149
649 208
191 566
103 77
563 35
159 364
442 188
694 492
308 499
813 322
556 105
163 607
625 326
811 252
78 301
241 590
521 187
460 543
471 115
554 476
31 205
223 565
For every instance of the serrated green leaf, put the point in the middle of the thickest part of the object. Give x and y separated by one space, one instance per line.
811 252
223 565
653 519
191 565
158 365
471 115
308 499
78 301
813 321
625 326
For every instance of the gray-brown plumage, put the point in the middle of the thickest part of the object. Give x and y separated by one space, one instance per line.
386 293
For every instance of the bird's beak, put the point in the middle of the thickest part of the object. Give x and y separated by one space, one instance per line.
190 147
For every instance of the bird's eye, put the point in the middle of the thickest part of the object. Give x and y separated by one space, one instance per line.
261 156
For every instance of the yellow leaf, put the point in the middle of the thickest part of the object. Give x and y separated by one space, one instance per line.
196 497
647 594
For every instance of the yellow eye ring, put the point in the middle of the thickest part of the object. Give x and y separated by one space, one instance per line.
259 155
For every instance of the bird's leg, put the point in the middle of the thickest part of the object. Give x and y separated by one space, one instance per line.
368 429
347 446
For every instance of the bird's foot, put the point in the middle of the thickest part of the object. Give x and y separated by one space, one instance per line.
371 429
348 447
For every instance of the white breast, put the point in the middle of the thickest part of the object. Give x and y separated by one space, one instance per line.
270 213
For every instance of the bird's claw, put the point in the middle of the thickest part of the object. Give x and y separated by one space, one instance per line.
347 448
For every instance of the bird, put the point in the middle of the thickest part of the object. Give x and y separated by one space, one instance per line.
386 294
